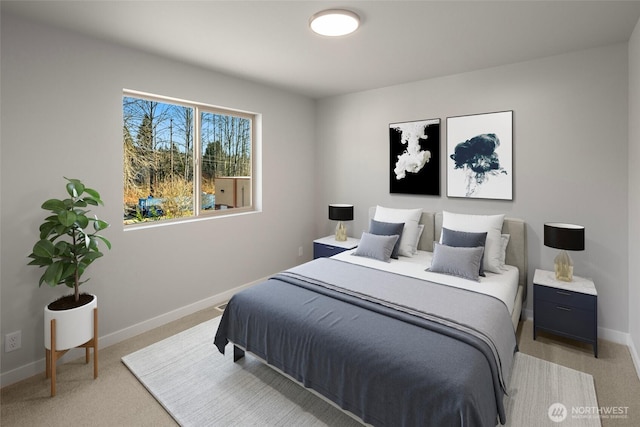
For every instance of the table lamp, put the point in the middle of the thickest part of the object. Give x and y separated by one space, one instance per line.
341 212
566 237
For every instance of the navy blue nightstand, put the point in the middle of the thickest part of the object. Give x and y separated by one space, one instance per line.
329 246
568 309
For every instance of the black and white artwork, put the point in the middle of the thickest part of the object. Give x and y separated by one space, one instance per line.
414 157
480 156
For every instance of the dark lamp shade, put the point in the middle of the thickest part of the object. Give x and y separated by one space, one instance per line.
341 212
568 237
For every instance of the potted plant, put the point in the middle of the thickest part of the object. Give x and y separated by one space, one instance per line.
69 243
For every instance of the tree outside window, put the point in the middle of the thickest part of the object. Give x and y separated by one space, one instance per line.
174 151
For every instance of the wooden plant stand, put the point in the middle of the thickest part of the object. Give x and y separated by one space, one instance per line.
53 355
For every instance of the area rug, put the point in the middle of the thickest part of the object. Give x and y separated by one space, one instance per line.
198 386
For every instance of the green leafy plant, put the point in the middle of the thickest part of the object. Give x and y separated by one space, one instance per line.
69 238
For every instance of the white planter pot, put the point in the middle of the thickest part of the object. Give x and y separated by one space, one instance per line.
74 327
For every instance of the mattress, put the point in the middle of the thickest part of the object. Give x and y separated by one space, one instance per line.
501 286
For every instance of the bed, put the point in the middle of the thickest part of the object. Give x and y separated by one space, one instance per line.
385 341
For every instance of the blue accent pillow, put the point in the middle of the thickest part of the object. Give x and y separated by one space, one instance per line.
457 261
465 239
388 229
376 247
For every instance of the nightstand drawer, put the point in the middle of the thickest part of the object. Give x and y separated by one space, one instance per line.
564 297
565 320
323 250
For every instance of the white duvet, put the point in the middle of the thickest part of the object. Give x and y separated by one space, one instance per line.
502 286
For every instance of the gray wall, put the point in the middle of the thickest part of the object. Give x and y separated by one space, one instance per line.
62 116
570 156
634 192
61 110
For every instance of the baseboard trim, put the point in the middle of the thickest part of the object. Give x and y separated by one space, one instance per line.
634 355
613 336
37 367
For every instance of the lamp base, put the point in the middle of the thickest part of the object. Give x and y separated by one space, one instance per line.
564 267
341 232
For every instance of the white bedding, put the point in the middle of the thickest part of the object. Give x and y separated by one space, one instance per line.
502 286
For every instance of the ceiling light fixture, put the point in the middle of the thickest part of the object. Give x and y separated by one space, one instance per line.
334 22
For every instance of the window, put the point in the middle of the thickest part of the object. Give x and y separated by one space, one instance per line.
184 160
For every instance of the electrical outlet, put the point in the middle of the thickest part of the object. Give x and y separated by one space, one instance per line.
300 251
12 341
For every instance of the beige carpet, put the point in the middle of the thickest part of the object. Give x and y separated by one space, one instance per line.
118 398
198 386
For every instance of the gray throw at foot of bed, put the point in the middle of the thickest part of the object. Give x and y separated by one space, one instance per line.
386 366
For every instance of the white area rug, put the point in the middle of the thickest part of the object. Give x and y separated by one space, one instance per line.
198 386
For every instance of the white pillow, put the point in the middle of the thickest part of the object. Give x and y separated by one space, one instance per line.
492 224
410 218
420 231
503 254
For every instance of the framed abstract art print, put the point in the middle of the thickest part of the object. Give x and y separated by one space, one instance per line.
480 156
414 157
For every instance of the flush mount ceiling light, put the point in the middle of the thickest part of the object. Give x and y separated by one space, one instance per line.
334 22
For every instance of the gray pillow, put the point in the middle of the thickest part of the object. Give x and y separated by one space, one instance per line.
460 262
376 247
388 229
465 239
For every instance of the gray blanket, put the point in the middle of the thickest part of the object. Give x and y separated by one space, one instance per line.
385 359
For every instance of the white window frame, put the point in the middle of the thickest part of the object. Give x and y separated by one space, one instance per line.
198 108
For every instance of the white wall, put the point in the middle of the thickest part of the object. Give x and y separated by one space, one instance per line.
62 116
570 156
634 194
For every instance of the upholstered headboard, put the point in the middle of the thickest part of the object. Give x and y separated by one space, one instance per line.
516 249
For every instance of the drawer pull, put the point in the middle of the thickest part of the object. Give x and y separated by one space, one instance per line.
563 308
563 293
